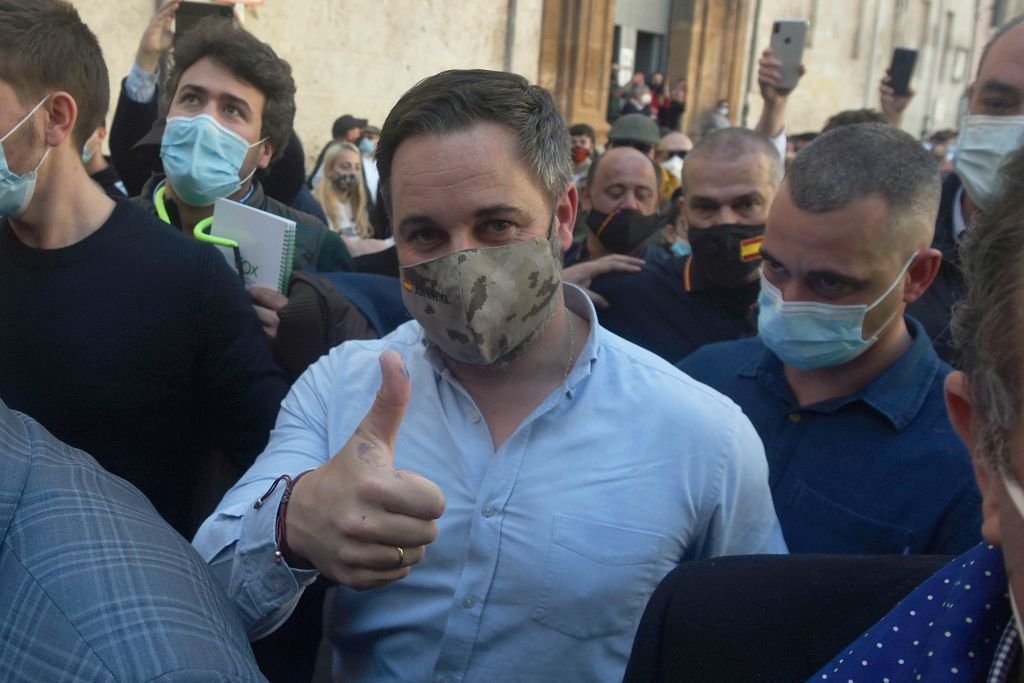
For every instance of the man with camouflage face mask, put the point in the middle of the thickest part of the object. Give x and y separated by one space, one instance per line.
539 455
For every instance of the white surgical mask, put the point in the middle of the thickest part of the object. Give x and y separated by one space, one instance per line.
983 145
673 165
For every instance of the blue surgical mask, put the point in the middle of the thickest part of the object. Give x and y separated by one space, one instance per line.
16 191
86 153
811 334
681 248
367 146
202 159
984 143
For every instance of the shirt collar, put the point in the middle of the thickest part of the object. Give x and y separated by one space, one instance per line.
897 393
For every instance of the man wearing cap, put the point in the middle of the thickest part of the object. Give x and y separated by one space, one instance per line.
674 306
640 132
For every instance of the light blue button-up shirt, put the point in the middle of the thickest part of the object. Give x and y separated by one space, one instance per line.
548 548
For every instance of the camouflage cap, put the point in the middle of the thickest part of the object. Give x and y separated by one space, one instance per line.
639 127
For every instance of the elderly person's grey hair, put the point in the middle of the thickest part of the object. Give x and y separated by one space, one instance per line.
864 160
987 323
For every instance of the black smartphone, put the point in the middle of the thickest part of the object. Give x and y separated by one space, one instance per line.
189 14
901 69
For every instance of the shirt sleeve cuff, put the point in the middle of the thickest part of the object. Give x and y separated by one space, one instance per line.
140 86
272 587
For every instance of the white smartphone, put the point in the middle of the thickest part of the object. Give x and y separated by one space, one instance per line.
788 36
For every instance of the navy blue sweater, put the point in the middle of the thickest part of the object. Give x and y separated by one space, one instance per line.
140 347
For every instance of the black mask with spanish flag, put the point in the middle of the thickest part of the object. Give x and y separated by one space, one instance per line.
623 231
725 255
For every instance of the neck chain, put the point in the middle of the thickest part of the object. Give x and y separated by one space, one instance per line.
572 343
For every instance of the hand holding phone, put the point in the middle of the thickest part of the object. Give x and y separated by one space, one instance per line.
788 37
901 69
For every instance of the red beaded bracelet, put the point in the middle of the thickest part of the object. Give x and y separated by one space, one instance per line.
280 535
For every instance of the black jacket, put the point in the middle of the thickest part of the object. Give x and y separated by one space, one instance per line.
766 617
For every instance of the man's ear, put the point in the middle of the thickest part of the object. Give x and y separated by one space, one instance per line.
266 153
565 216
62 113
965 417
922 273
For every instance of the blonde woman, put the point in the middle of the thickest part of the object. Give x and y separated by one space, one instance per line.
342 195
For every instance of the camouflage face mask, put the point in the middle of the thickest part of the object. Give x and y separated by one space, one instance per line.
479 306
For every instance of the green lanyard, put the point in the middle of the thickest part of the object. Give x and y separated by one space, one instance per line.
200 231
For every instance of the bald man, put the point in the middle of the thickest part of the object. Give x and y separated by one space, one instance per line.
844 389
674 306
620 197
672 151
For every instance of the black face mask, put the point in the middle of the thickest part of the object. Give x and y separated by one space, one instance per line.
623 231
725 255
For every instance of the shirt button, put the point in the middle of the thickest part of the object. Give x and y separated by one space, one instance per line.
487 511
794 417
475 417
468 602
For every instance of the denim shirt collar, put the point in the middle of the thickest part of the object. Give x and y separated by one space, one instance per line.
897 394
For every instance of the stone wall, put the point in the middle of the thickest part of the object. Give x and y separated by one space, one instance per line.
354 56
850 47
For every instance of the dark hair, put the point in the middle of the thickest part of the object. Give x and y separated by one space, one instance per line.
854 162
249 59
456 100
578 129
853 116
45 47
987 321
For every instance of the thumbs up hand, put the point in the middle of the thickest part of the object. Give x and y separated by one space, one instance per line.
356 518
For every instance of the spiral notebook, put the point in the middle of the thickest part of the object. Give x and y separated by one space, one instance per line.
266 243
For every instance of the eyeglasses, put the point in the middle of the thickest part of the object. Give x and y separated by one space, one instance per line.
681 153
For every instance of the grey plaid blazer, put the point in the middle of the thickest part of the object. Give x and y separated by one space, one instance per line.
94 585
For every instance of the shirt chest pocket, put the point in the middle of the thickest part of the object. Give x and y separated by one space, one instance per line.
597 577
813 523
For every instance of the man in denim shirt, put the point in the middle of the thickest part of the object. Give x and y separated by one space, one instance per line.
843 388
